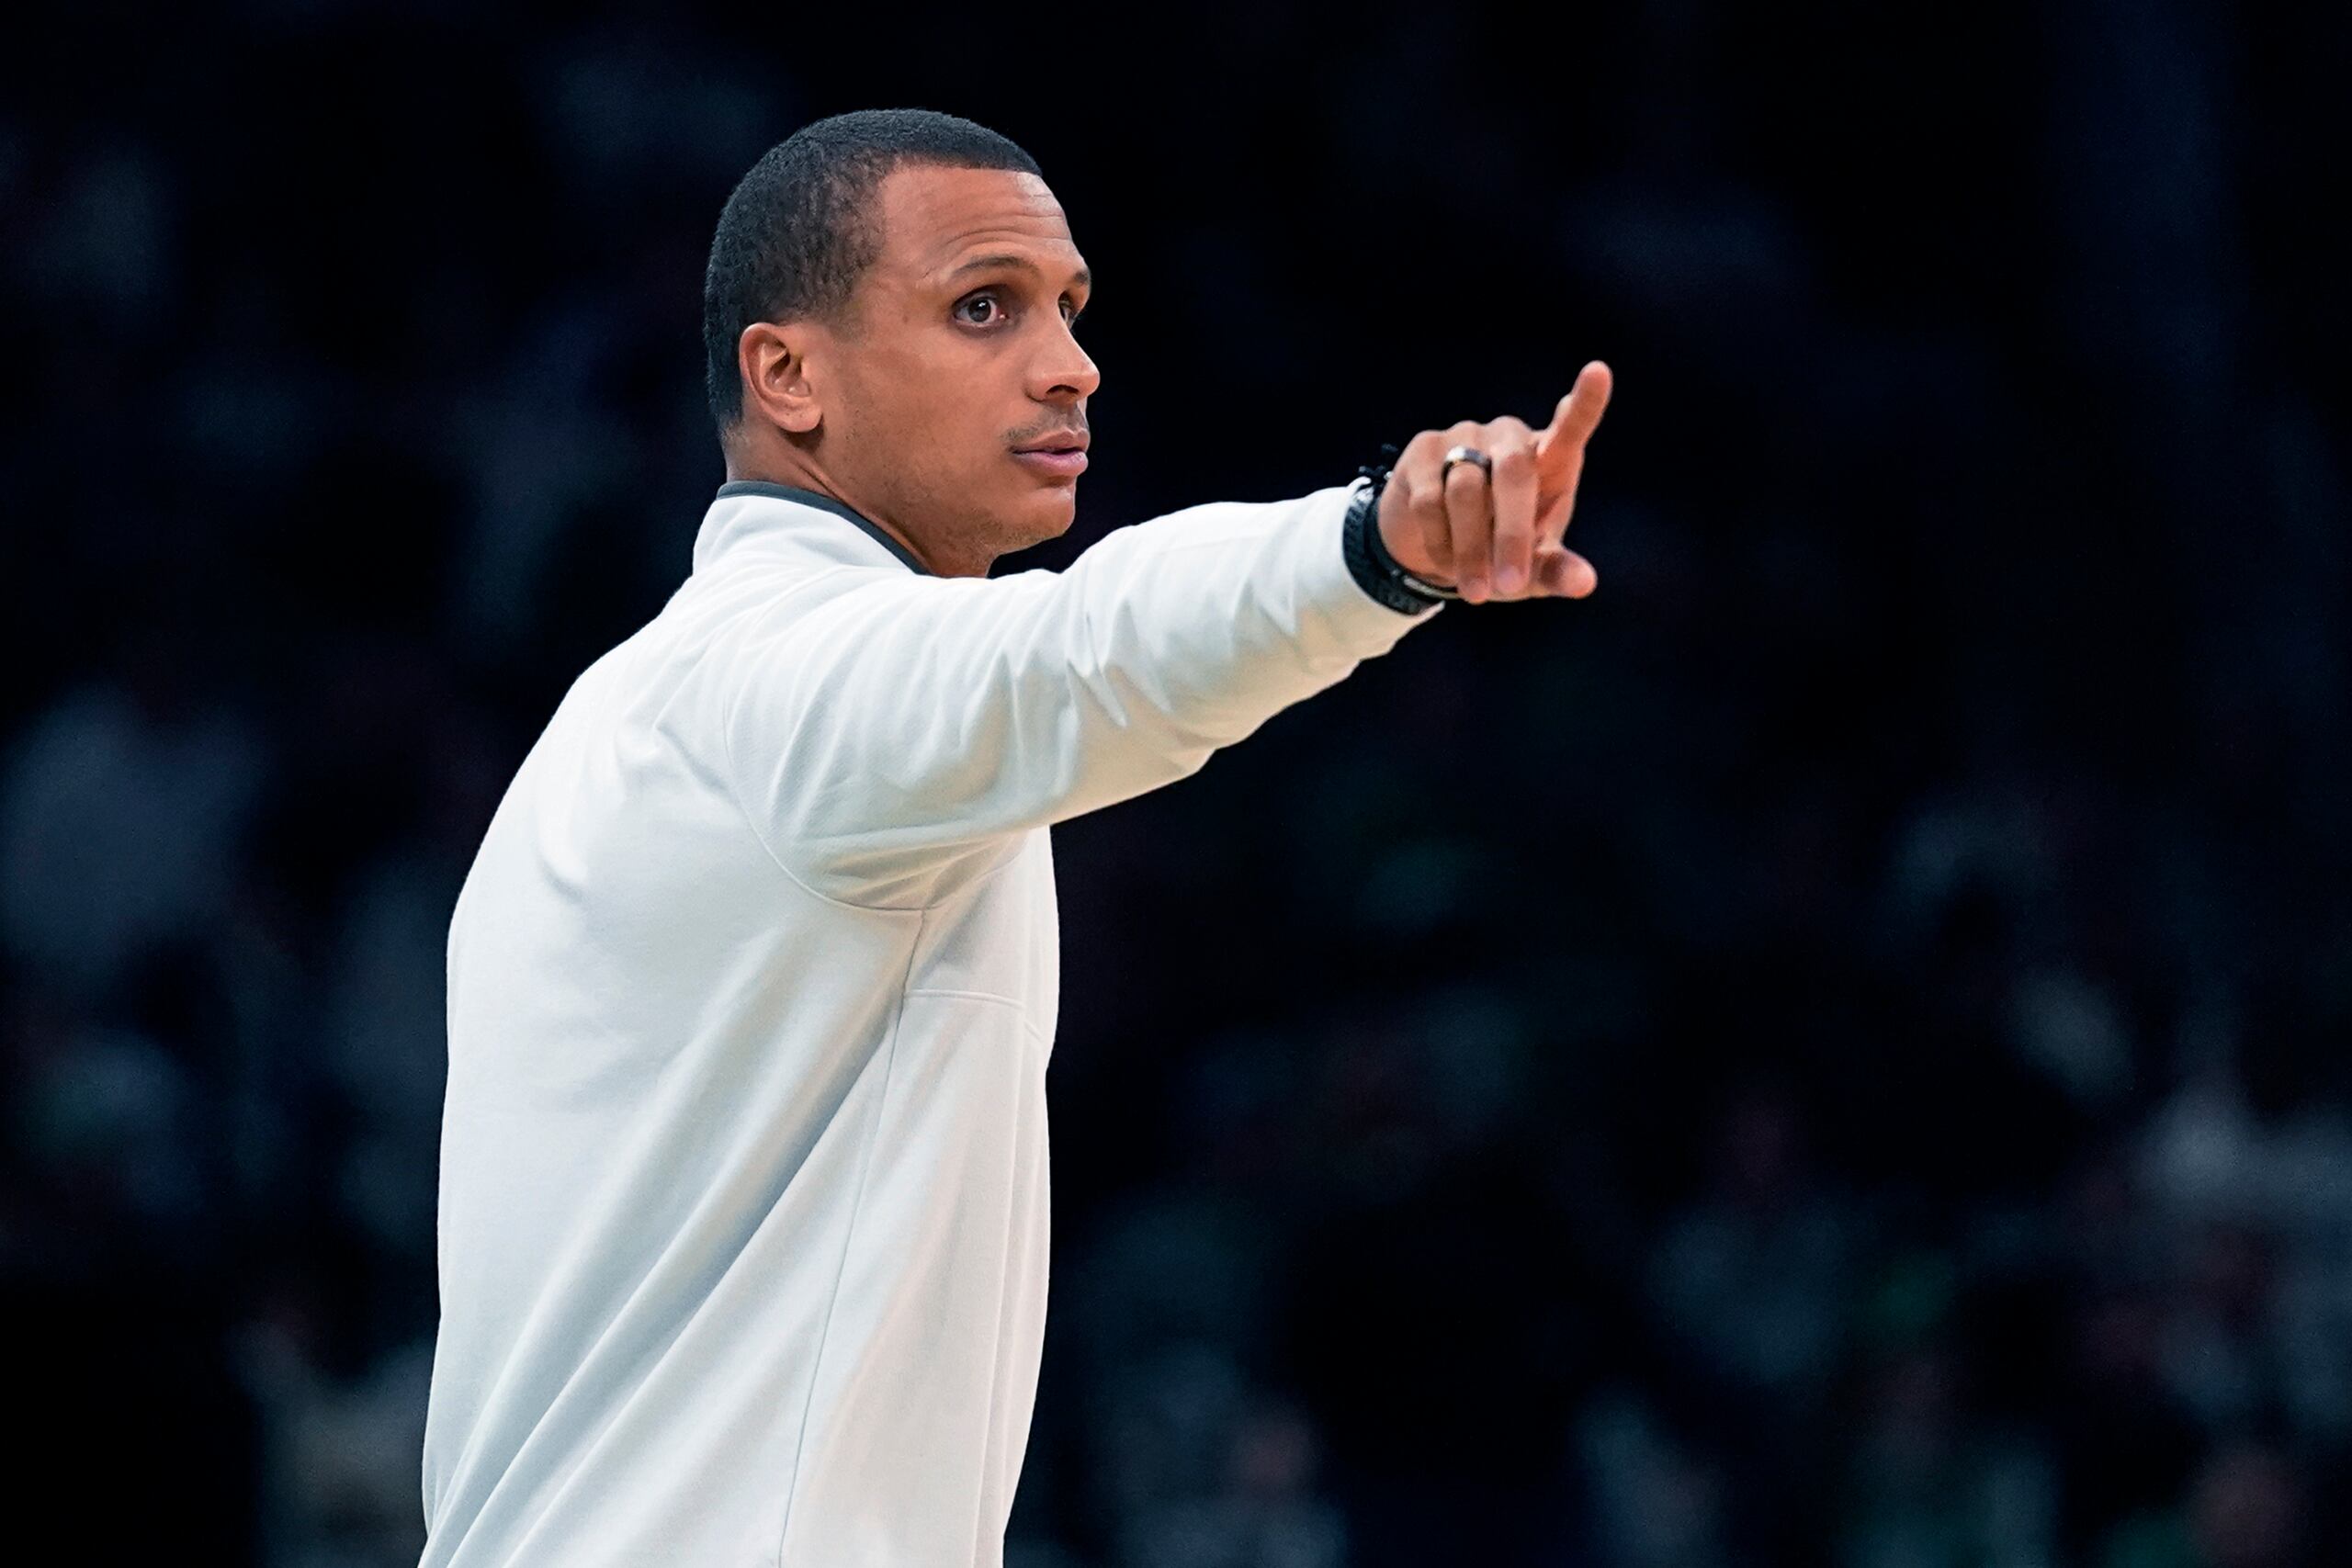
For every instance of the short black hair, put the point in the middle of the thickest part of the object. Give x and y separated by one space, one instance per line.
800 231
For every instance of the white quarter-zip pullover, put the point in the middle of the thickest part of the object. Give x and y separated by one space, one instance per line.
743 1206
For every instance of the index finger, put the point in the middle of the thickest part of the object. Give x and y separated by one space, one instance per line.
1572 424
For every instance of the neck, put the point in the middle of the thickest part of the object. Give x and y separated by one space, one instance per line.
801 477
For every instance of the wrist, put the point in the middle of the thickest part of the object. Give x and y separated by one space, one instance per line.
1386 557
1375 567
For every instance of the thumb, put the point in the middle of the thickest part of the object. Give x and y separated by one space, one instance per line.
1560 572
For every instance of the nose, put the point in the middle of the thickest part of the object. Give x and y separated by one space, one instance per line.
1064 370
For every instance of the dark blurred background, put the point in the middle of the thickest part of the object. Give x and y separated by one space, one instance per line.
1831 1053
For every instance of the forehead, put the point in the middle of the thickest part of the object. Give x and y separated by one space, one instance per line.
935 217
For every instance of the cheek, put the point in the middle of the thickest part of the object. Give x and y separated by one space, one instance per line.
944 409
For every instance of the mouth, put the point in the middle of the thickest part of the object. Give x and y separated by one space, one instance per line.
1059 459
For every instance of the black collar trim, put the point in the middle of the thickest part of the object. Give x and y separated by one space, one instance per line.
774 491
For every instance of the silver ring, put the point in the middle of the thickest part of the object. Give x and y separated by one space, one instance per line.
1465 455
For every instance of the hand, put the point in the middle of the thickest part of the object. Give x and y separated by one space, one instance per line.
1497 540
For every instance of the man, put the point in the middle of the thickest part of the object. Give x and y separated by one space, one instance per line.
752 983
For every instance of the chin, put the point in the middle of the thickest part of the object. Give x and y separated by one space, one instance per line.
1048 514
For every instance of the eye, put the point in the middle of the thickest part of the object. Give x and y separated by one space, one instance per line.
986 297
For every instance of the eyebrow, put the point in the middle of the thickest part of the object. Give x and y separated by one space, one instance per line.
1080 278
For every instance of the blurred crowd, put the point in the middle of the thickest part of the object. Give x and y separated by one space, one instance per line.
1832 1053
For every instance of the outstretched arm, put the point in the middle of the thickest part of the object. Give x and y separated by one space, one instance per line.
886 732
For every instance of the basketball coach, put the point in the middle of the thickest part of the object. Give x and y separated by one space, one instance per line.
743 1227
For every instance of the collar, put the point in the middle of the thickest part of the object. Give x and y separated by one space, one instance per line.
744 510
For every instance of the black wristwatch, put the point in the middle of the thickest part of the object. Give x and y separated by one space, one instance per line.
1367 553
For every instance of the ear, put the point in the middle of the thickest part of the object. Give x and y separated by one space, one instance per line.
771 357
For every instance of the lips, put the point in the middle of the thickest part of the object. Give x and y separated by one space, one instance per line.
1060 455
1063 463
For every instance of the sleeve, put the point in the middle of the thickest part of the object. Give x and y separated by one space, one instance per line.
886 742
